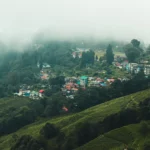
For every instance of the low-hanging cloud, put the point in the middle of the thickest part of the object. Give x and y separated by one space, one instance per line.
120 19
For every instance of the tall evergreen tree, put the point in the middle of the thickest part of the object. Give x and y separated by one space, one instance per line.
109 55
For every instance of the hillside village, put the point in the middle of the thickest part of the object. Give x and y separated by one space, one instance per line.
73 83
75 75
60 80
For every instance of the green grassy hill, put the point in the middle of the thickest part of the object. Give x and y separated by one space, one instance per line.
127 136
101 119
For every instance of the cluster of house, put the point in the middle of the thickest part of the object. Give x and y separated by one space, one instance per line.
121 65
44 75
70 87
134 67
78 52
72 84
27 92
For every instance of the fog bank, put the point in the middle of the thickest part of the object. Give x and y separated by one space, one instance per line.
68 19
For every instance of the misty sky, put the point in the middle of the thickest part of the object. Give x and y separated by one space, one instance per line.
125 19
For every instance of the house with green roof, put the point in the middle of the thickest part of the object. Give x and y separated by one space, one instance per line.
83 80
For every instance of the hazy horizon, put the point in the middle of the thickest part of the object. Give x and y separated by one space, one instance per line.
101 19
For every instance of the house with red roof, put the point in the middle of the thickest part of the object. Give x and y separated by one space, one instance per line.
41 93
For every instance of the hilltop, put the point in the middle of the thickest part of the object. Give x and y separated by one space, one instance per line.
80 128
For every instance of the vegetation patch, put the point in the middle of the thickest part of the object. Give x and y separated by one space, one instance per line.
96 118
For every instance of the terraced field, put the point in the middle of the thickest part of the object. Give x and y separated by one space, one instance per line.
127 136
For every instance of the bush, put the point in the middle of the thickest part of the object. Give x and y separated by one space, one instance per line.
49 131
144 128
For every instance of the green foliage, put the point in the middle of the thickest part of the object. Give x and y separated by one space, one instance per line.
133 51
87 58
59 80
102 117
17 112
135 42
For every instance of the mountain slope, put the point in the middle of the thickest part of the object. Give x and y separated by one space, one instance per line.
128 136
91 122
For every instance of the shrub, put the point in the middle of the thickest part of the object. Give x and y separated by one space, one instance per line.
49 131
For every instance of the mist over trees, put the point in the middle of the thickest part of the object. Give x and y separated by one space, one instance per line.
58 58
21 67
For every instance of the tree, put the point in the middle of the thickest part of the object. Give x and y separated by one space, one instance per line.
133 50
59 80
87 58
27 80
109 55
135 42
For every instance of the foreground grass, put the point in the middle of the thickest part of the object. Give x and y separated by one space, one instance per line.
127 136
68 124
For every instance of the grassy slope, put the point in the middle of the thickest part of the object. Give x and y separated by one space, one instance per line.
6 104
118 138
101 53
94 114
